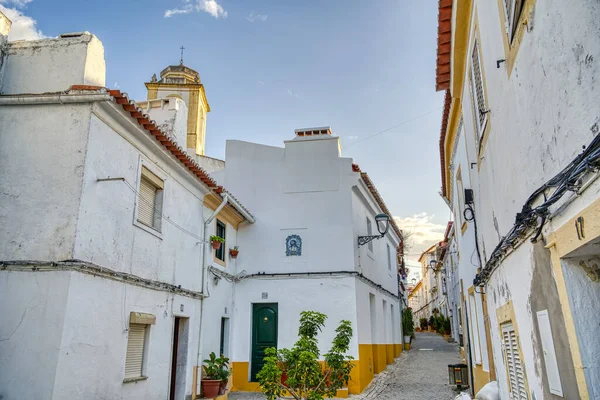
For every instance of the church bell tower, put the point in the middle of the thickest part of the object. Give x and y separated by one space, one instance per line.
184 83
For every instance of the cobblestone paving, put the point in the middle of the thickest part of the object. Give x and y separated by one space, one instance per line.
417 374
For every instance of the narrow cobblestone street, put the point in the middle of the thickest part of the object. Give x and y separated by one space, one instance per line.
418 374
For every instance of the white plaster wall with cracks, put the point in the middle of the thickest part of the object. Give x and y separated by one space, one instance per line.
540 116
53 65
84 238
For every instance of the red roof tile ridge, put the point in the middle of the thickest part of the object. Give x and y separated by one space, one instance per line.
381 203
166 140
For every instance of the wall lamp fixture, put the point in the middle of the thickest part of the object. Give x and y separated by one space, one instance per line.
383 224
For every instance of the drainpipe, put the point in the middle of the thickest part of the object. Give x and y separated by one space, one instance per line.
204 296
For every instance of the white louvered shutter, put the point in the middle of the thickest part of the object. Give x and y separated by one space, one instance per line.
514 366
147 202
135 350
477 88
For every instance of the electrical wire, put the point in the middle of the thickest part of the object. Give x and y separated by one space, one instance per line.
392 127
533 217
164 217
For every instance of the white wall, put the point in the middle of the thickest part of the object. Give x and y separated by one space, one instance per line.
107 231
332 296
32 306
53 65
387 330
40 187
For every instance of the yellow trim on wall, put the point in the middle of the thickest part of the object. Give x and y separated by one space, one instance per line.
480 140
511 49
562 242
460 43
227 214
506 314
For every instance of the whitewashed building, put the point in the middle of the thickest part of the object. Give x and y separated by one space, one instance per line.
311 206
519 152
103 265
109 287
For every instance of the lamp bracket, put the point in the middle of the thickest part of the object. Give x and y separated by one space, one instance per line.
362 240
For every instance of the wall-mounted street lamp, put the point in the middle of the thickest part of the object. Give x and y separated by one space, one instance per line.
383 224
433 265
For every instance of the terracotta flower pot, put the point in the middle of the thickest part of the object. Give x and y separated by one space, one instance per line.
223 386
233 253
210 388
216 245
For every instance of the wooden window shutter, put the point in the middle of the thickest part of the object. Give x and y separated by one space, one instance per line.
134 358
514 366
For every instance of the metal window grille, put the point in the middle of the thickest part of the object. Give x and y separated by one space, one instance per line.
477 88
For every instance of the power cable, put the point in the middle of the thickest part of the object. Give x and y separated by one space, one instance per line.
392 127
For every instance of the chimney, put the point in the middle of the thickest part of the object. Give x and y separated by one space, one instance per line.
322 131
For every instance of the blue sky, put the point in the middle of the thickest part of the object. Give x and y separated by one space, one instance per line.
271 66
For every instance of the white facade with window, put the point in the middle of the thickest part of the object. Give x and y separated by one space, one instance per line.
109 283
101 239
521 107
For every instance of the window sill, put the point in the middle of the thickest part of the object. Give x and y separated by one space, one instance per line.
136 379
148 229
220 262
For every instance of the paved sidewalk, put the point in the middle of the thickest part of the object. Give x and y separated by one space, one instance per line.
418 374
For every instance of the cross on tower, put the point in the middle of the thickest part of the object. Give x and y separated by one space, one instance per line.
181 61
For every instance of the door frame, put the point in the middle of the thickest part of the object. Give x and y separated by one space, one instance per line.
252 332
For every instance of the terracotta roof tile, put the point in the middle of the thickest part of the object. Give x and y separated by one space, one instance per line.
442 76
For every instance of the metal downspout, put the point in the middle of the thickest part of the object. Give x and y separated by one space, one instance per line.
204 296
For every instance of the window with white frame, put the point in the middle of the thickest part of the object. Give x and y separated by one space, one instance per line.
221 230
477 89
514 365
136 344
149 210
370 233
460 195
513 10
389 255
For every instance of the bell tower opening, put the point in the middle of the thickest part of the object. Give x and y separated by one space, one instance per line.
184 83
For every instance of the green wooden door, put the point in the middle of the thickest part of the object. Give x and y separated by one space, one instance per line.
264 334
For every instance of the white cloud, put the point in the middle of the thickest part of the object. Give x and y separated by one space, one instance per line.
256 17
292 94
423 233
23 27
16 3
260 82
352 138
208 6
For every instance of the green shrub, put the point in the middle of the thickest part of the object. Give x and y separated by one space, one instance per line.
306 380
423 323
408 325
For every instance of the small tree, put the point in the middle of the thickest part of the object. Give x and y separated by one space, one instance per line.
408 325
306 380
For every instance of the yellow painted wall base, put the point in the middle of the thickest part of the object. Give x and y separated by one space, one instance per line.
480 377
372 359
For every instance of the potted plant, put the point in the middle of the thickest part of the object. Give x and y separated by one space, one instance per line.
423 323
233 253
211 383
216 241
431 323
408 327
223 364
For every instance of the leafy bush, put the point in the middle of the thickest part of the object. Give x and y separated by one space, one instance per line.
306 380
408 325
447 325
423 323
